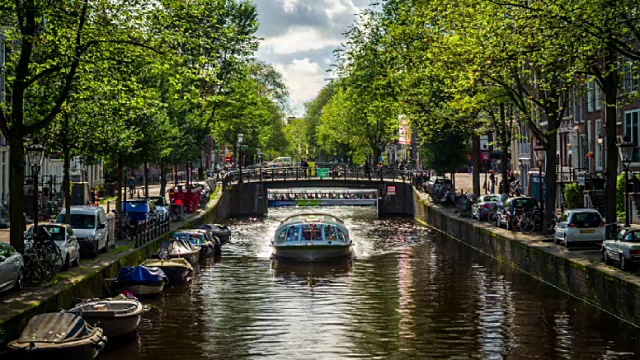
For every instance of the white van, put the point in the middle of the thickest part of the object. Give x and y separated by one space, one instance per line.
282 161
89 224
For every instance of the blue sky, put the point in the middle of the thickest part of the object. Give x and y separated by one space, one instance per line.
299 39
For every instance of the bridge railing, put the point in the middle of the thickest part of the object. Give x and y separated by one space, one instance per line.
336 172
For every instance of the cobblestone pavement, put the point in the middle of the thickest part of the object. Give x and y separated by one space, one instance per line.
464 181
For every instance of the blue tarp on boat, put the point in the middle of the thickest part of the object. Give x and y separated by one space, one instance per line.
141 275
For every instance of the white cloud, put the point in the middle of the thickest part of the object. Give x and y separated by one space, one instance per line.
299 39
304 79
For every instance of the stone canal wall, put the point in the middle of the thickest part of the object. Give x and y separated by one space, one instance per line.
88 280
584 277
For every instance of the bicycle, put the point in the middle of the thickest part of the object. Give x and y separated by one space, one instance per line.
43 259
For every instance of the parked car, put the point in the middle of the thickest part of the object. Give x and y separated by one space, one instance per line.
436 182
162 207
62 236
579 225
625 249
282 161
485 205
508 210
89 224
140 211
11 268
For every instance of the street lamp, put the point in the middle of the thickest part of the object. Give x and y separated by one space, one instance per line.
540 150
626 154
35 155
240 138
600 144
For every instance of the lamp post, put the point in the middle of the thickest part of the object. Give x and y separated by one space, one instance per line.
626 154
600 144
486 184
240 139
35 155
540 162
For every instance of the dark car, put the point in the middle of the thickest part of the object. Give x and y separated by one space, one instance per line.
512 207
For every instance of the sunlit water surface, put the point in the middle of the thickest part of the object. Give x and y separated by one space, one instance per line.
409 293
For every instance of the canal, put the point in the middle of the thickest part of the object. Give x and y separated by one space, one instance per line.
409 293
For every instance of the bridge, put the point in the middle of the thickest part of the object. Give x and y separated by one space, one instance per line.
247 190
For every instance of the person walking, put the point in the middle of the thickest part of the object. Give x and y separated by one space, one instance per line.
132 186
492 180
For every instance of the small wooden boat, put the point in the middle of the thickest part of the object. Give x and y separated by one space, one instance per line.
59 336
311 237
115 317
177 270
142 280
221 232
209 244
178 248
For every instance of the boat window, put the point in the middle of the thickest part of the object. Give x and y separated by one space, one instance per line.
293 234
282 236
330 233
311 233
341 235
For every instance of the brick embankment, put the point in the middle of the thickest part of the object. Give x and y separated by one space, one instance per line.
88 280
579 271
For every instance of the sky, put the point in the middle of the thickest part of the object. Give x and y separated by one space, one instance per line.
299 39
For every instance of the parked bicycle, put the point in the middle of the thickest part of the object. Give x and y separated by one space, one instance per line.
42 260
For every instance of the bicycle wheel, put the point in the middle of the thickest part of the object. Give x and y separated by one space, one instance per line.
491 217
32 273
527 225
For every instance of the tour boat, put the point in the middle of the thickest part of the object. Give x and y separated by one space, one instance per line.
177 270
59 336
116 317
322 197
311 237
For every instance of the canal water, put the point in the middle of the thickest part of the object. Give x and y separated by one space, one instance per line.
409 293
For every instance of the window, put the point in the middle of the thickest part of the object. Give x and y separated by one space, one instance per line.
631 129
630 77
590 96
329 233
598 94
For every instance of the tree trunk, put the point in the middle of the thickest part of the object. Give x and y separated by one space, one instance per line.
163 179
175 174
66 183
119 193
146 176
550 182
504 145
610 90
476 164
16 193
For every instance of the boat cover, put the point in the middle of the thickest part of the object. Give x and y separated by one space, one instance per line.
55 328
141 274
216 229
177 246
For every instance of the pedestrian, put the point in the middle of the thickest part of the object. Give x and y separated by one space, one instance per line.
492 179
132 186
470 167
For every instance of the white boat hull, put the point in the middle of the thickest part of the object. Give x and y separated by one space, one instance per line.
146 289
312 253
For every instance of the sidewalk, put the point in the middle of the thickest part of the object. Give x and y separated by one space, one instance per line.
154 190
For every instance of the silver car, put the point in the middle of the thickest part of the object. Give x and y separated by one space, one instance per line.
485 205
624 249
11 268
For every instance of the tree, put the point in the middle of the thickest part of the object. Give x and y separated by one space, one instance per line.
47 43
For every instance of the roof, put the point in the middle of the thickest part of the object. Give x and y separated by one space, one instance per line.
584 210
311 218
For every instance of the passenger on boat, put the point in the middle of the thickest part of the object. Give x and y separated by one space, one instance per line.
292 234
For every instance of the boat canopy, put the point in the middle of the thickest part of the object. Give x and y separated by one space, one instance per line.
55 328
311 218
141 274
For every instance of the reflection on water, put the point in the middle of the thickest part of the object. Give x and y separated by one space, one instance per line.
407 294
